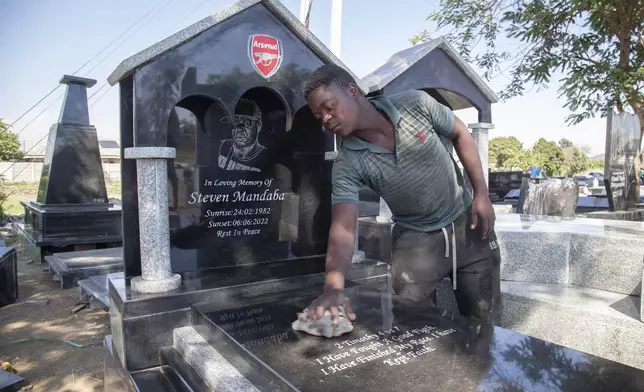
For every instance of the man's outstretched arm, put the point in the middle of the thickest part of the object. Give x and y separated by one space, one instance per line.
447 124
341 244
338 260
468 153
467 150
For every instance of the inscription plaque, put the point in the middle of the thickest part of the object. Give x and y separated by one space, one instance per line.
238 191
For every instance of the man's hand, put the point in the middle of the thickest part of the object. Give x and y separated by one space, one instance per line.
331 300
483 215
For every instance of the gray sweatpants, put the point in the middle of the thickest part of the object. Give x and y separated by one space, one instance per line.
420 260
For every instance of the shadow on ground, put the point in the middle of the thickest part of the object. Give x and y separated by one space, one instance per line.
51 365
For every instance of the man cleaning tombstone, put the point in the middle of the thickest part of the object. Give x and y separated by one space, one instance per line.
391 144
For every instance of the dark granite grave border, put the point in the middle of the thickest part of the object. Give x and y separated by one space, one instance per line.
141 327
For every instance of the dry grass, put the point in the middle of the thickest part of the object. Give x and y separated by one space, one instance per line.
29 191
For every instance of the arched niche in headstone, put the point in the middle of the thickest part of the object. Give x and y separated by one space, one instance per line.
245 189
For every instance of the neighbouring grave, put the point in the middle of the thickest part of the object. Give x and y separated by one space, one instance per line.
71 209
549 197
8 275
500 183
622 143
70 267
10 382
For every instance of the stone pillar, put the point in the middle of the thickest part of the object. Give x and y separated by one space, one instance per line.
154 229
481 137
75 109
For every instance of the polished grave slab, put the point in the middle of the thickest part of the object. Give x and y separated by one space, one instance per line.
10 382
70 267
95 289
396 345
142 324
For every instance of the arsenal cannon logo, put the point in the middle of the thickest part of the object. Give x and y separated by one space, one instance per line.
265 54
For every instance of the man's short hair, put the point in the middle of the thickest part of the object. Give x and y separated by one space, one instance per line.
327 75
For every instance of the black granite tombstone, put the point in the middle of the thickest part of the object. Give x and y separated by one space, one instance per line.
249 188
245 189
249 217
622 143
72 207
251 179
502 182
396 346
8 275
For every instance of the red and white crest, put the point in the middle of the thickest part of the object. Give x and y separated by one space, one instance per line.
265 54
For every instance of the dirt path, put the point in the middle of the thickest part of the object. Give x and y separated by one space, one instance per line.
52 365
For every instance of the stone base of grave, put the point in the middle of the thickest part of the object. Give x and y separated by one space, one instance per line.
69 268
50 229
249 345
557 275
143 323
94 290
636 215
597 322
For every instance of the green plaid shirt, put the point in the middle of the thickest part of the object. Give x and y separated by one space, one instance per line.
420 181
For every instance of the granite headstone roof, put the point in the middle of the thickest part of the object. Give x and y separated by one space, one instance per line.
403 60
277 8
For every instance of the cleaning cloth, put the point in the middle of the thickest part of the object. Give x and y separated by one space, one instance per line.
323 326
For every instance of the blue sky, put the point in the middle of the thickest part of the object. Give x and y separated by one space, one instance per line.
42 39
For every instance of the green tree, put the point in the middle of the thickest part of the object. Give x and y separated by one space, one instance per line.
565 143
9 144
596 164
548 156
578 163
506 153
597 45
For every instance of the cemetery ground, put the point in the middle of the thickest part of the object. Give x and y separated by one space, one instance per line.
50 364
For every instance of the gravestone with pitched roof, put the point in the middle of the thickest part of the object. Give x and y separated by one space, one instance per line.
226 174
436 68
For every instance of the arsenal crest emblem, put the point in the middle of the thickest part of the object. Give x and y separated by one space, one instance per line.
265 54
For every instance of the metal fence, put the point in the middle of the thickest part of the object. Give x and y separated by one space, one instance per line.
30 171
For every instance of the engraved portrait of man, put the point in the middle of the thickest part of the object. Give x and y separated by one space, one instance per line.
243 152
